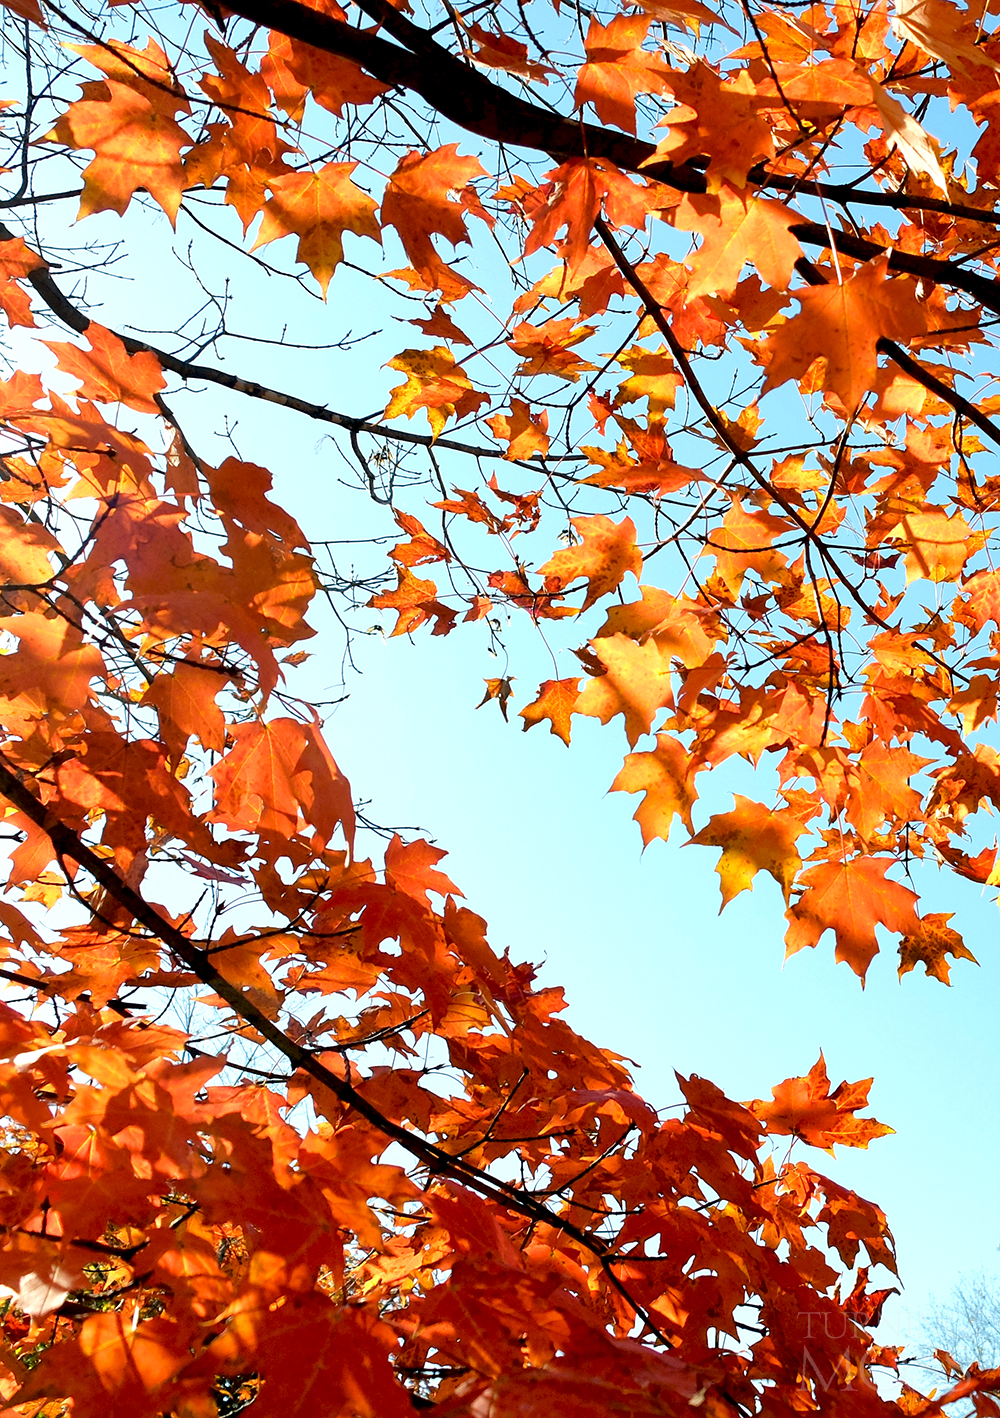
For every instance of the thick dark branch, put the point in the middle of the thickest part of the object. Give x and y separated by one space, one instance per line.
466 97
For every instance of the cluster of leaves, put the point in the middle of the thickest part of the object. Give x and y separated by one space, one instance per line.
431 1190
165 1233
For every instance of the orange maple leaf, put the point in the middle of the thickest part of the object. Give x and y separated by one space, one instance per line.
525 436
636 683
604 555
842 324
737 227
25 548
499 690
666 777
274 771
412 867
421 547
128 121
850 898
436 383
294 70
430 194
556 702
753 838
688 629
414 602
930 943
981 601
805 1108
654 376
881 791
618 68
441 324
17 261
547 349
185 703
743 543
500 51
53 667
318 207
573 196
718 119
109 374
938 544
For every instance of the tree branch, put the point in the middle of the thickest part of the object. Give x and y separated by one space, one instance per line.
75 318
466 97
67 843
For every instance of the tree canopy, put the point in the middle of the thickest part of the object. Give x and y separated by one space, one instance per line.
697 386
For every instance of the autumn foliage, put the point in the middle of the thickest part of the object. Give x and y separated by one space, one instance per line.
698 384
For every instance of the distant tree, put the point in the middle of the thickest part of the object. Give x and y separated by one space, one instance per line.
967 1324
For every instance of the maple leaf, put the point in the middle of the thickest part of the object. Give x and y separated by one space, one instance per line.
498 689
605 554
111 1361
737 227
850 898
185 703
976 702
342 1362
982 601
109 374
882 791
436 383
805 1108
742 544
421 547
654 376
273 772
547 349
687 628
501 51
53 668
294 70
617 69
318 207
524 435
17 261
929 944
941 30
906 136
574 194
842 324
852 1221
753 838
718 119
239 491
418 202
636 683
556 702
414 601
128 122
441 324
666 777
412 867
938 545
25 549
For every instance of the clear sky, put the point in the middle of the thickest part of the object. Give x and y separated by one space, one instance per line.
555 865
